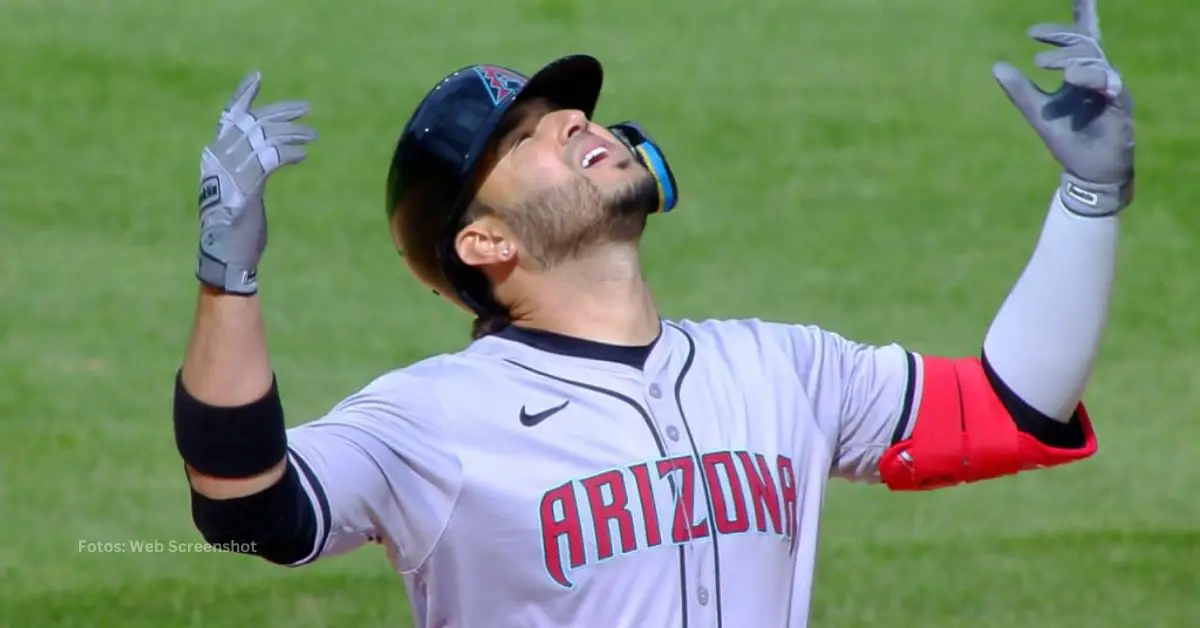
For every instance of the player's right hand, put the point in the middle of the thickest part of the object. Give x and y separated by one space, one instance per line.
248 146
1087 123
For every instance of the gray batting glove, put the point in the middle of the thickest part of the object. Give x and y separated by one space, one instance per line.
248 146
1087 123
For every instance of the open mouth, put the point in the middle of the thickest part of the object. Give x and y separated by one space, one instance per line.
593 157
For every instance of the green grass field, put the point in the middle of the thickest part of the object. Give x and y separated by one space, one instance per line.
842 162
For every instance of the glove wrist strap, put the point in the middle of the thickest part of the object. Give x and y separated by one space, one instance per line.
1094 200
228 278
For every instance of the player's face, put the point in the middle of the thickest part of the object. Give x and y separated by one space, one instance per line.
564 184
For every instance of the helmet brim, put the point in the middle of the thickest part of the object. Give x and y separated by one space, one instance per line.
570 82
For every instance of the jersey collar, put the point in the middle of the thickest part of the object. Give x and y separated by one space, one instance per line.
570 346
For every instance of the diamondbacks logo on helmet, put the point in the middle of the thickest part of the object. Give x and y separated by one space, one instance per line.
499 81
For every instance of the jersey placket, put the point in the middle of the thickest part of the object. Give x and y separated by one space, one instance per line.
700 549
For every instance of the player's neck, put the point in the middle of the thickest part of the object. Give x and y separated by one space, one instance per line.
602 298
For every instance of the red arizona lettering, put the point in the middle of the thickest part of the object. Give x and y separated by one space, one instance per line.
685 501
787 485
614 510
641 475
566 525
762 490
725 524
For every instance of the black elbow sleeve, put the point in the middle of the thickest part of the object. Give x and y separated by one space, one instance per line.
229 442
279 524
1030 420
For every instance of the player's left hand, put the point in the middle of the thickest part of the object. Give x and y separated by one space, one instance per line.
1087 123
249 145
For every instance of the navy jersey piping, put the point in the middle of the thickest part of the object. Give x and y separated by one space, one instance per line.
550 342
662 450
708 496
910 391
321 506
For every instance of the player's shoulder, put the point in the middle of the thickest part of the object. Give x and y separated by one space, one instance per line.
760 338
743 330
425 375
414 391
445 375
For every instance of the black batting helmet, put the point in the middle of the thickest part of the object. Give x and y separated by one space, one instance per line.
435 166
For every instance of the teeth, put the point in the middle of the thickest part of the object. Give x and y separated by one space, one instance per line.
592 156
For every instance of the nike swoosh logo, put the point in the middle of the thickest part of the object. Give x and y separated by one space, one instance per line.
530 420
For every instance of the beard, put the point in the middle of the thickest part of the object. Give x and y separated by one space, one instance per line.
566 221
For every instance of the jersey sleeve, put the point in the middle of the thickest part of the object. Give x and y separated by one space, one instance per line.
862 395
379 467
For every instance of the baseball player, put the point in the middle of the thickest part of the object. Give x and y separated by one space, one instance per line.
583 462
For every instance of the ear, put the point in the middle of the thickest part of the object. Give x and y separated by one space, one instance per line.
486 242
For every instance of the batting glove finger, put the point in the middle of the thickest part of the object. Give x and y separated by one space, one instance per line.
1060 58
1086 17
243 95
283 111
1098 77
1059 34
279 133
1021 91
291 154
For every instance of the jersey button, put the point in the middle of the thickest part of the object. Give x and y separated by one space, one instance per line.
672 432
655 391
702 595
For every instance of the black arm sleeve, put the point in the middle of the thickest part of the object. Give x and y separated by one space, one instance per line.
229 442
279 524
1029 420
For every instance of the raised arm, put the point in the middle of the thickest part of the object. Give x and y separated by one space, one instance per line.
1061 301
237 447
1039 351
379 467
229 424
922 422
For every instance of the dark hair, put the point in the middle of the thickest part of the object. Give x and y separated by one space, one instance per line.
488 325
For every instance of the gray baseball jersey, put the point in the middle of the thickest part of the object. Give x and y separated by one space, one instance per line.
532 480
